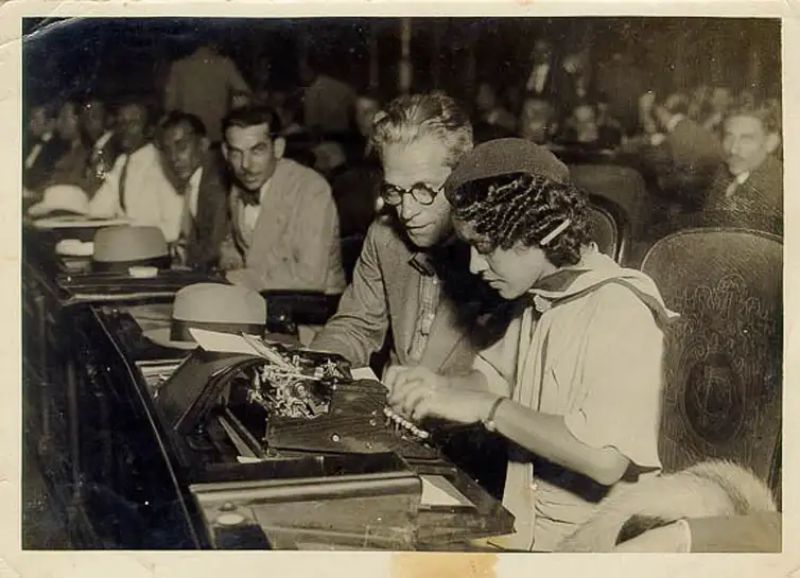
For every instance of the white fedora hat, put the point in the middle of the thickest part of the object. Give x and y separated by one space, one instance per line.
211 306
61 198
119 248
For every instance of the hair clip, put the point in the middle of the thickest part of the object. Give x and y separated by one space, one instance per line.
379 116
555 232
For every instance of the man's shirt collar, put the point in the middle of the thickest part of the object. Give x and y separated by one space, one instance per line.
250 197
425 261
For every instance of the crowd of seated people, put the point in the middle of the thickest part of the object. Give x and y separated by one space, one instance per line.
703 148
689 143
413 210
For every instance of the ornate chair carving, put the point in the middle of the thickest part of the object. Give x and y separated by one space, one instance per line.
723 356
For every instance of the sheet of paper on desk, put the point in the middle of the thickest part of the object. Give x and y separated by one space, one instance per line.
363 373
438 491
222 342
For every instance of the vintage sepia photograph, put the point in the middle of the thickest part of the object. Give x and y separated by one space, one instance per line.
418 284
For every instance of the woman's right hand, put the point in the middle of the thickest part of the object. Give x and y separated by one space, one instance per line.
408 385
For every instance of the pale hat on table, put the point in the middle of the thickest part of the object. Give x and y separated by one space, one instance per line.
211 306
61 198
119 248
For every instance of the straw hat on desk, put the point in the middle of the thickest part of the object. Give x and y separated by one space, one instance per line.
61 199
118 249
211 306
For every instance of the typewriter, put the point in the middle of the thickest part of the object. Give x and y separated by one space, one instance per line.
286 445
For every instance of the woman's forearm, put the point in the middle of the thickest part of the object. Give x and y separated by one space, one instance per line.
547 436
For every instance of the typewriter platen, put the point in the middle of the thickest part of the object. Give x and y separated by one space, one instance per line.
321 443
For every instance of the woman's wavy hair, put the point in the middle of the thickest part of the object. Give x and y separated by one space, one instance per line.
411 117
524 208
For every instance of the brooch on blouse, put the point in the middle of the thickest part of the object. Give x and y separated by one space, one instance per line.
541 304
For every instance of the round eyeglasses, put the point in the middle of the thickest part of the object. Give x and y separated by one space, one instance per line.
422 193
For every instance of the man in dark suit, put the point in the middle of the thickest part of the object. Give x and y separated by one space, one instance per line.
541 79
41 148
100 139
751 179
198 174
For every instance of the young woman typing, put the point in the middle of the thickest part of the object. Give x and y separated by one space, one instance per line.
575 382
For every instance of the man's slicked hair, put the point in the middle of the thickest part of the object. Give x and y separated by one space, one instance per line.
768 112
248 116
409 118
177 117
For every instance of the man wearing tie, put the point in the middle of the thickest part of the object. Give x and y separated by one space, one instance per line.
285 228
137 186
198 175
540 78
42 149
751 179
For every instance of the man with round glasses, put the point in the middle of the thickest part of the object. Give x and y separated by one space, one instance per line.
412 282
410 271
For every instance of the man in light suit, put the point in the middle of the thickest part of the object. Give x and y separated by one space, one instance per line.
411 283
285 228
137 186
412 279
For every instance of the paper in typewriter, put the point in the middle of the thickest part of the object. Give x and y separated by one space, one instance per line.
438 491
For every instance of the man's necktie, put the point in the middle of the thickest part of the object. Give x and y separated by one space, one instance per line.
33 155
735 184
122 182
187 220
251 198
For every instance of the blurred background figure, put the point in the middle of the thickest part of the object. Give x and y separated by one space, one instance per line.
647 119
591 126
622 82
41 148
288 105
356 188
366 108
70 168
240 99
581 127
576 81
98 135
492 118
537 121
541 78
719 103
751 178
610 129
684 156
328 102
699 102
204 84
138 185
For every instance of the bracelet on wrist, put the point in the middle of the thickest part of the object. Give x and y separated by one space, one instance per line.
488 421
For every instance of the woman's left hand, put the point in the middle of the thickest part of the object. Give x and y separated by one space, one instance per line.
419 393
457 405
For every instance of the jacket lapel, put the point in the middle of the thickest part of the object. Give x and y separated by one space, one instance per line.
408 305
446 334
